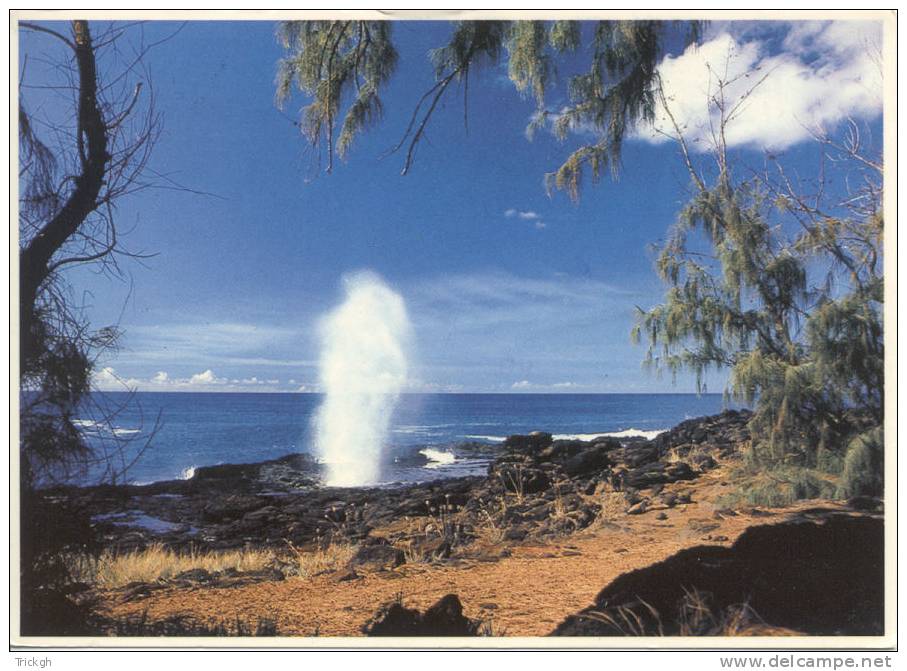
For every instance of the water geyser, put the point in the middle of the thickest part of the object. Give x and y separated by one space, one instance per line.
363 367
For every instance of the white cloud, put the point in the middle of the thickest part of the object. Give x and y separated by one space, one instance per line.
423 387
105 376
527 215
540 225
207 377
107 379
526 385
824 73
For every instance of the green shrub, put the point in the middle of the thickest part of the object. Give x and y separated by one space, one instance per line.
862 469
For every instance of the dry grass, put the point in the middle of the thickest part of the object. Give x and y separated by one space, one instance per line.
411 553
558 506
695 618
156 562
691 452
487 530
613 506
512 481
333 557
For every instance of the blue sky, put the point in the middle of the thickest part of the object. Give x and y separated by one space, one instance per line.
508 289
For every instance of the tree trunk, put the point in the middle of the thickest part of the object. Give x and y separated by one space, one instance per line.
34 259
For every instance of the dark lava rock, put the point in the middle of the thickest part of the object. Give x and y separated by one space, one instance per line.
521 479
703 462
379 556
820 577
445 618
723 431
639 455
138 590
645 476
561 450
195 575
346 576
531 445
869 503
266 504
657 473
590 460
262 515
517 533
679 471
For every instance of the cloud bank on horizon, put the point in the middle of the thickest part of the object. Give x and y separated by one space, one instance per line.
820 74
538 324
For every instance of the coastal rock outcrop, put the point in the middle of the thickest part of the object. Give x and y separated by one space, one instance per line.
445 618
820 575
535 485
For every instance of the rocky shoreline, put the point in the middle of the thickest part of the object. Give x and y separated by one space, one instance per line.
272 503
538 493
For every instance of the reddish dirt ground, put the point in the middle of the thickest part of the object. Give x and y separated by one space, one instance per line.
525 594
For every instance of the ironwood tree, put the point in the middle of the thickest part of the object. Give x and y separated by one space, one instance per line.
779 280
86 149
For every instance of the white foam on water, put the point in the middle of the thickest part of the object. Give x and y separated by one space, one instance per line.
491 439
438 458
626 433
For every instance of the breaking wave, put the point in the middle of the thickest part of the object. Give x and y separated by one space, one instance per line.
437 458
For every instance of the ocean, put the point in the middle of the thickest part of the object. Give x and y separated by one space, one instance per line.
432 435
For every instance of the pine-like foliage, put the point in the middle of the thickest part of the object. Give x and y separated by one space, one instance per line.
337 63
617 91
784 288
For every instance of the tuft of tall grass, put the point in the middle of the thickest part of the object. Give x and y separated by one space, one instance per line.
782 486
695 616
332 557
613 506
489 531
156 562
